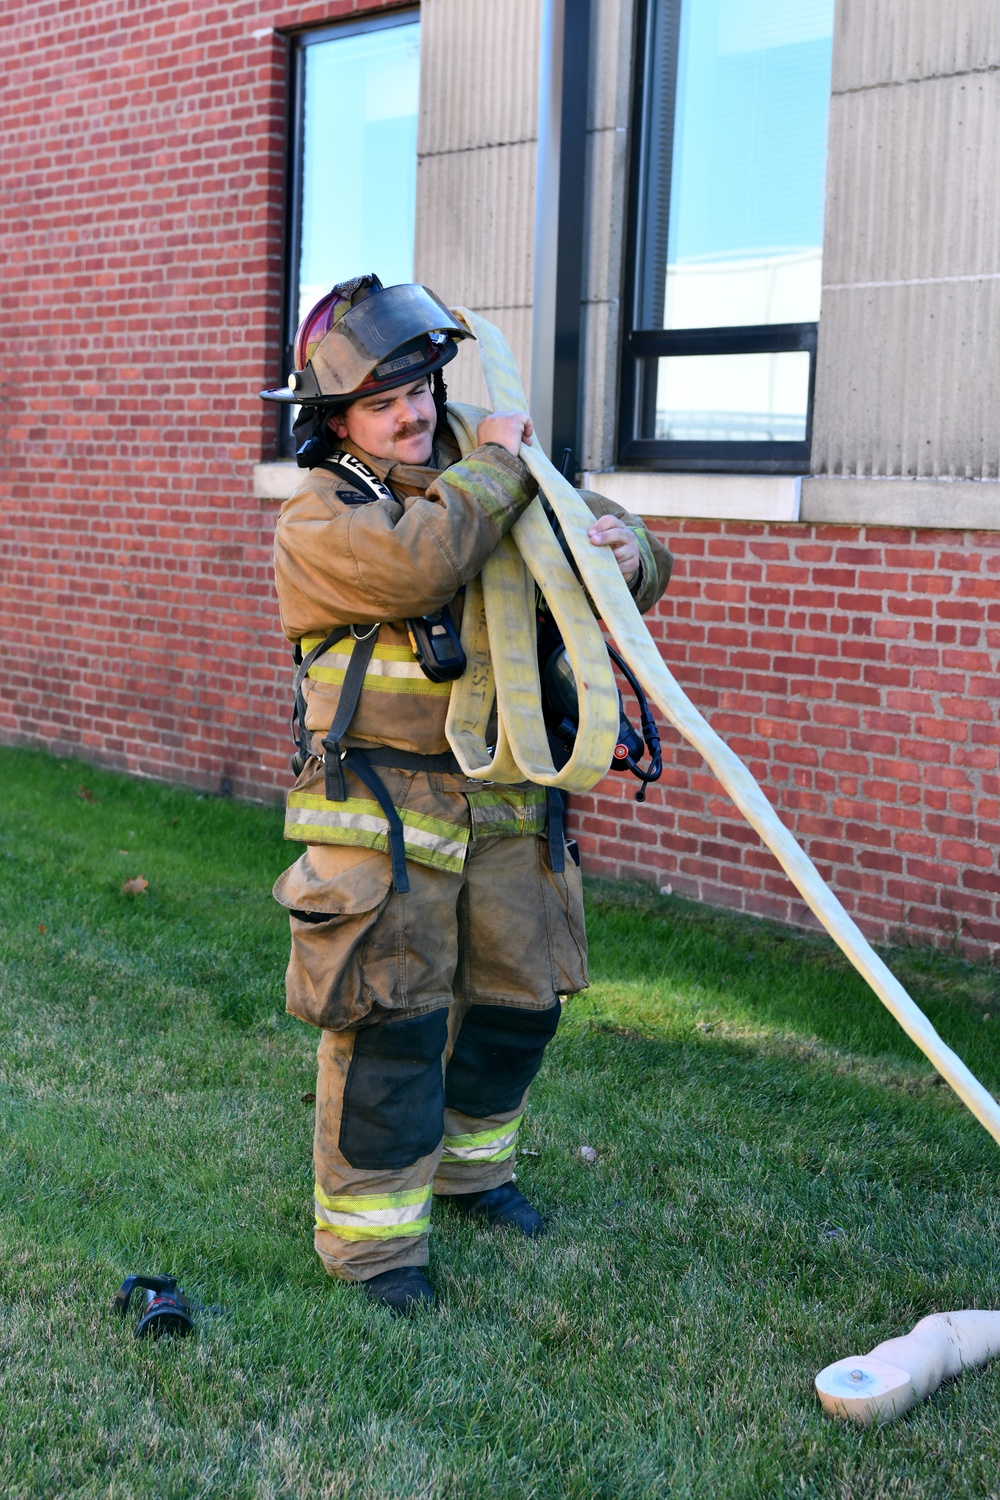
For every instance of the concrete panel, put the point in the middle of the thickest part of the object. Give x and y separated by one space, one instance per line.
599 386
890 41
604 225
908 381
938 504
475 225
912 182
464 375
478 73
611 26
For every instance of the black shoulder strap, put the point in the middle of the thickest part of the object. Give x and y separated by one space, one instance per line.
337 634
346 466
350 692
300 734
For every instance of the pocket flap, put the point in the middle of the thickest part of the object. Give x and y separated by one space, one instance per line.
335 878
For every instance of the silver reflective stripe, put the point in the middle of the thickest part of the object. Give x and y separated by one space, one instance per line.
303 811
377 667
485 1145
416 838
380 1216
364 821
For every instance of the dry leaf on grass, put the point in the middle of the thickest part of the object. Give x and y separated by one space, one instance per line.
135 886
84 793
41 926
587 1154
307 1098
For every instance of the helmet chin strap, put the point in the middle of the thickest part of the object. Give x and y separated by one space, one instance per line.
318 442
440 393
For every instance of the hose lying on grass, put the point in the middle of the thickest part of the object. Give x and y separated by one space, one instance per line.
498 635
882 1385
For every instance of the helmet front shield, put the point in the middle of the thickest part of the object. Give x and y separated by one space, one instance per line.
365 347
366 336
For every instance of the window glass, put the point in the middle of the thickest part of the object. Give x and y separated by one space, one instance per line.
359 158
731 398
739 95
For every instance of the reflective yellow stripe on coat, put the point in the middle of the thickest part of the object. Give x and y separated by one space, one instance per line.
378 1216
392 669
431 841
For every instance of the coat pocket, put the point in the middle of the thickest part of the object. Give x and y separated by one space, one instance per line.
346 952
565 926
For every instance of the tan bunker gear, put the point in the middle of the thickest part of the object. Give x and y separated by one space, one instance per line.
436 1002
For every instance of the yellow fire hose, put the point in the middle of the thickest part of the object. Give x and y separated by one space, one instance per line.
502 611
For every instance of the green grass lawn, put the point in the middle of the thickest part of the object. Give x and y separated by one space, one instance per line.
780 1182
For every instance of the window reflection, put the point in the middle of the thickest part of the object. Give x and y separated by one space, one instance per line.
739 93
359 158
730 398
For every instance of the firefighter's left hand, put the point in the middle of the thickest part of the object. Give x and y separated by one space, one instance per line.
608 531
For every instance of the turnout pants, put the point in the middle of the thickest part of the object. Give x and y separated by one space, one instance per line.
437 1006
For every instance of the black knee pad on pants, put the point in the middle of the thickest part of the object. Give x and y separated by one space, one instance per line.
497 1053
393 1111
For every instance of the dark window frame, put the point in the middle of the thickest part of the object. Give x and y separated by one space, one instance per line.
298 44
640 344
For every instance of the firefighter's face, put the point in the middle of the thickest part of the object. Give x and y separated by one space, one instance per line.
397 425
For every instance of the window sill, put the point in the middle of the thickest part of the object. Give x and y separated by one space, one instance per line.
930 504
275 481
716 497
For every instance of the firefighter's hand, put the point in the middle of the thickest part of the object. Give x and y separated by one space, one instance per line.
508 428
608 531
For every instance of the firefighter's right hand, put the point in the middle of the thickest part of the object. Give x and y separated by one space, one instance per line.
508 428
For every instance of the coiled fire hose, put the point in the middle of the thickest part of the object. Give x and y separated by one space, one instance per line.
501 611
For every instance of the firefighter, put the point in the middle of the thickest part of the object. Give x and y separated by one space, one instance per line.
433 935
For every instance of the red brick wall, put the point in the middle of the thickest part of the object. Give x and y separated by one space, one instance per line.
855 672
141 236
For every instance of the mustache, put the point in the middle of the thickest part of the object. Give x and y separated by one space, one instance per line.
411 429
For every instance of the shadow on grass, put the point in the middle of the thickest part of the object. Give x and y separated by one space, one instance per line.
799 984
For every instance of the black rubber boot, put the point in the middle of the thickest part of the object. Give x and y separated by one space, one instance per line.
402 1291
504 1206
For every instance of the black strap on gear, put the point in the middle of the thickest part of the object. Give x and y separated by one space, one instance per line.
362 763
346 466
555 836
650 730
300 734
336 760
410 760
350 692
356 762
